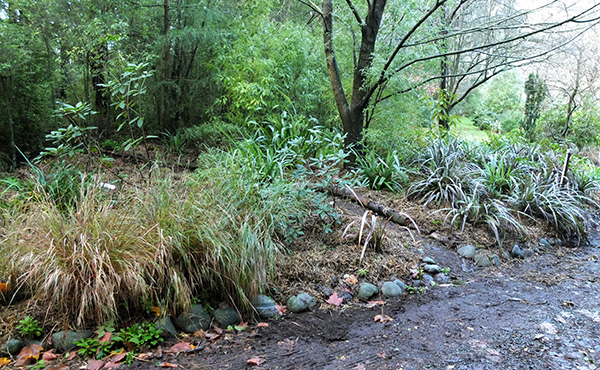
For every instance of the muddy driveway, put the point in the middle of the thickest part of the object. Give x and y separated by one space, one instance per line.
538 313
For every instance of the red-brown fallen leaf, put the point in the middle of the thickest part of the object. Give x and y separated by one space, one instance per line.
212 336
71 356
49 356
112 365
28 355
382 318
95 365
4 361
217 330
106 337
182 347
280 309
4 288
334 299
144 356
262 325
120 357
200 333
255 361
167 364
372 304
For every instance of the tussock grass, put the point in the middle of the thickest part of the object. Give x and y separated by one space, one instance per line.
166 241
86 260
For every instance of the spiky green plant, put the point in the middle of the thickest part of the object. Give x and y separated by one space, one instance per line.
558 205
382 173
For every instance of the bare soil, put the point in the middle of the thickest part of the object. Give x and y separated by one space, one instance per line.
538 313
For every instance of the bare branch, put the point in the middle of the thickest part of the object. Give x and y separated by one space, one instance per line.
355 12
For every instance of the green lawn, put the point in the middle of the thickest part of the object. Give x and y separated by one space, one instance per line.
465 129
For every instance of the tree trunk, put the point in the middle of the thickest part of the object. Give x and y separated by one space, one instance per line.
97 61
352 115
7 88
165 116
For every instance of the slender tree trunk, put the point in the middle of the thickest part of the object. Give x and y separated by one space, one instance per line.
7 89
165 116
443 120
97 61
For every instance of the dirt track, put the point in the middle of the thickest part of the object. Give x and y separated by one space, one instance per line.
541 313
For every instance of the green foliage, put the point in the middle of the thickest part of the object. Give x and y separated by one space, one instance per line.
29 327
128 89
536 91
107 340
446 174
141 335
217 134
584 127
498 105
382 173
494 183
175 142
273 67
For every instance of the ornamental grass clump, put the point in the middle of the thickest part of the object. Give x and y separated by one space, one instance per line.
85 260
164 241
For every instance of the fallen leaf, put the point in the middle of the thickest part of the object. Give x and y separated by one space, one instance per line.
334 299
106 338
182 347
218 330
144 356
28 355
70 356
49 356
280 309
351 279
200 333
372 304
167 364
155 310
262 325
241 327
212 336
120 357
95 365
382 318
360 367
4 361
4 288
255 361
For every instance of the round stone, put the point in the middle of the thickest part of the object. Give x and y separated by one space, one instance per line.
429 261
391 289
516 252
194 319
366 291
467 251
432 269
300 303
264 306
226 316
